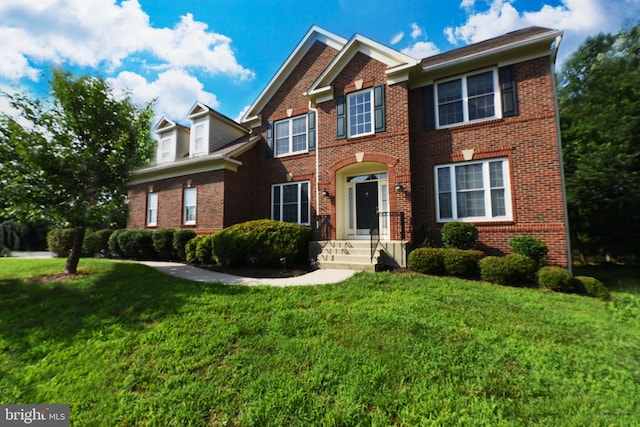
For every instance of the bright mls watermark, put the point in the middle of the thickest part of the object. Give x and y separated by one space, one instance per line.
34 415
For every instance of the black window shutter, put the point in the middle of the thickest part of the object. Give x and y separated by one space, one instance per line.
311 130
508 90
378 108
341 117
269 140
428 108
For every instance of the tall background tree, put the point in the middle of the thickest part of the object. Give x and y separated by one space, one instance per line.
599 101
66 160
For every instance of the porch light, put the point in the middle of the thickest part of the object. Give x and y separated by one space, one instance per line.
399 187
325 192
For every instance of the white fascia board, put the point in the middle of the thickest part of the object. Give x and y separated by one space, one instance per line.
314 34
322 94
532 41
182 168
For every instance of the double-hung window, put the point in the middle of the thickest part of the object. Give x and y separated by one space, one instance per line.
166 148
360 113
473 191
291 136
152 209
468 98
290 202
189 205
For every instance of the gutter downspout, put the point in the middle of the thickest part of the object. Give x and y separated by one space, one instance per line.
317 192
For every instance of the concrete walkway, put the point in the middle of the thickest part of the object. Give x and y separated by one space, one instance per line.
317 277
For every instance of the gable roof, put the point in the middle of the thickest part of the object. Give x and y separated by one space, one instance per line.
313 35
398 64
531 37
165 124
200 109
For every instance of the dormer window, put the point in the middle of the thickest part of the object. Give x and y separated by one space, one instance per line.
199 137
167 144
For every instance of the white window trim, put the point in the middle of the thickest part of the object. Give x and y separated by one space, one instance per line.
465 99
299 184
290 123
486 187
152 207
201 122
166 147
372 116
185 206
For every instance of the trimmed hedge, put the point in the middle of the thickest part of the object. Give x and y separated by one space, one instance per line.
60 241
163 244
136 244
459 235
426 261
532 247
510 270
593 287
199 250
101 241
114 246
264 241
446 261
557 279
180 239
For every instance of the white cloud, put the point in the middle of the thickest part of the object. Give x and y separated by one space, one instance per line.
416 31
185 90
467 4
422 48
577 18
101 32
396 39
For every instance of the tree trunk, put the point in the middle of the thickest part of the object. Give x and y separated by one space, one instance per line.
74 256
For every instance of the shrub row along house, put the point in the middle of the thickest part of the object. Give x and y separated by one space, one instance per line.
375 150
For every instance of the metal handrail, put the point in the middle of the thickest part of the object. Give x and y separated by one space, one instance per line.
321 227
374 230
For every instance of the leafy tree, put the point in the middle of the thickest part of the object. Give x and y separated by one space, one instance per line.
599 100
66 160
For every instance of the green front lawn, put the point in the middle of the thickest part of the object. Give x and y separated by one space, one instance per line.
125 345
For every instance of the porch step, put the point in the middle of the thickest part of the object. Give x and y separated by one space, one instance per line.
345 255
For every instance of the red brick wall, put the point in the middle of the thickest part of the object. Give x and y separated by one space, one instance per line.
210 202
529 141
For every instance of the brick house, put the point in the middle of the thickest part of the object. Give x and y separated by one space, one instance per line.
375 150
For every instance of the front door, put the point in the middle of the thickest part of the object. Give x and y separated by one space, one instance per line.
366 196
366 206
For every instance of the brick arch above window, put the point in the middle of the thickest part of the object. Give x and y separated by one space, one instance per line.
371 157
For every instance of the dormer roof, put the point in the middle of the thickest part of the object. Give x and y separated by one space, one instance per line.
165 125
315 34
200 109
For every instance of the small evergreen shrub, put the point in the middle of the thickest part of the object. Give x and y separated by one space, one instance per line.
180 239
557 279
459 235
163 244
204 249
190 250
114 246
262 243
136 244
89 244
101 239
461 263
532 247
60 241
511 270
426 261
593 287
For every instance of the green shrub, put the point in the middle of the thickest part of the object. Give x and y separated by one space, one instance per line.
265 242
163 244
180 239
461 263
459 235
511 270
114 246
101 239
136 244
557 279
532 247
593 287
426 261
89 244
60 241
190 250
204 249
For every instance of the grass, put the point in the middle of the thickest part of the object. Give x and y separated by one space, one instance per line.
125 345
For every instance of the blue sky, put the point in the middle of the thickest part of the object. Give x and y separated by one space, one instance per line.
223 53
